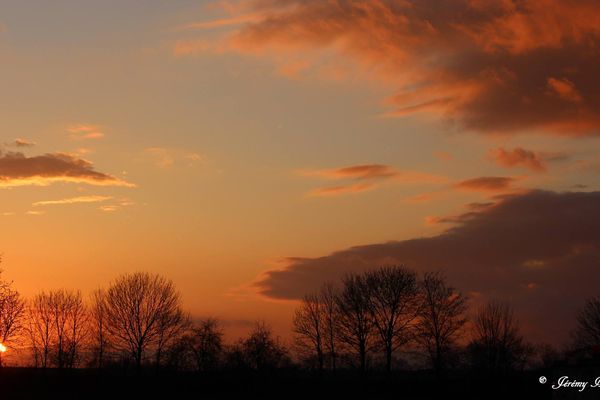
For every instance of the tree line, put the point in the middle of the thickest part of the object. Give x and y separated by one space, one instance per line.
137 321
368 318
364 321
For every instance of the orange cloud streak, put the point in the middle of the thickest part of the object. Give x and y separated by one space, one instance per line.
492 66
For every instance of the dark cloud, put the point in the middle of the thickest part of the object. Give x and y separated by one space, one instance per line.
493 66
540 250
16 169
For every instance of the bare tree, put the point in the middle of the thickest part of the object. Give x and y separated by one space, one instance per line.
12 308
393 303
171 326
587 332
206 344
497 343
354 324
140 307
41 328
441 318
57 327
261 351
77 327
309 325
68 317
98 326
327 297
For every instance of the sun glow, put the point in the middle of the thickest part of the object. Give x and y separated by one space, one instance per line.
2 348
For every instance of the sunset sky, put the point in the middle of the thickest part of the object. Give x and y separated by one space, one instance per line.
251 150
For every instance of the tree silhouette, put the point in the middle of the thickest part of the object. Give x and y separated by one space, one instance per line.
309 327
41 328
587 332
12 312
140 307
261 351
497 343
441 318
354 325
393 303
57 327
98 327
206 344
327 296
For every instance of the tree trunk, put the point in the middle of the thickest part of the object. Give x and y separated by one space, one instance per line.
363 357
388 356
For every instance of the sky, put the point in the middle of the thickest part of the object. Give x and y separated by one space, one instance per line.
251 150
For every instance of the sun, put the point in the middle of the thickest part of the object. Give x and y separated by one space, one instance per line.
2 348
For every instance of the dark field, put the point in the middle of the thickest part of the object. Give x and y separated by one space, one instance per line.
24 383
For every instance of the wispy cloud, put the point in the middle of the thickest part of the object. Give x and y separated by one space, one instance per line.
35 212
340 190
85 131
167 157
73 200
117 205
358 172
520 157
23 143
364 177
486 184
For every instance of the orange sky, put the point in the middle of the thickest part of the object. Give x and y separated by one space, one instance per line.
218 142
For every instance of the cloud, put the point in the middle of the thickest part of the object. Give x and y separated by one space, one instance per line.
73 200
167 158
223 22
358 172
339 190
85 131
565 89
490 66
116 206
16 169
443 156
368 176
520 157
36 212
539 250
23 143
486 184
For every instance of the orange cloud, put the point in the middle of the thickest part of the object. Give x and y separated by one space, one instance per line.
339 190
370 176
84 131
358 172
73 200
16 169
486 184
565 89
491 66
520 157
23 143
